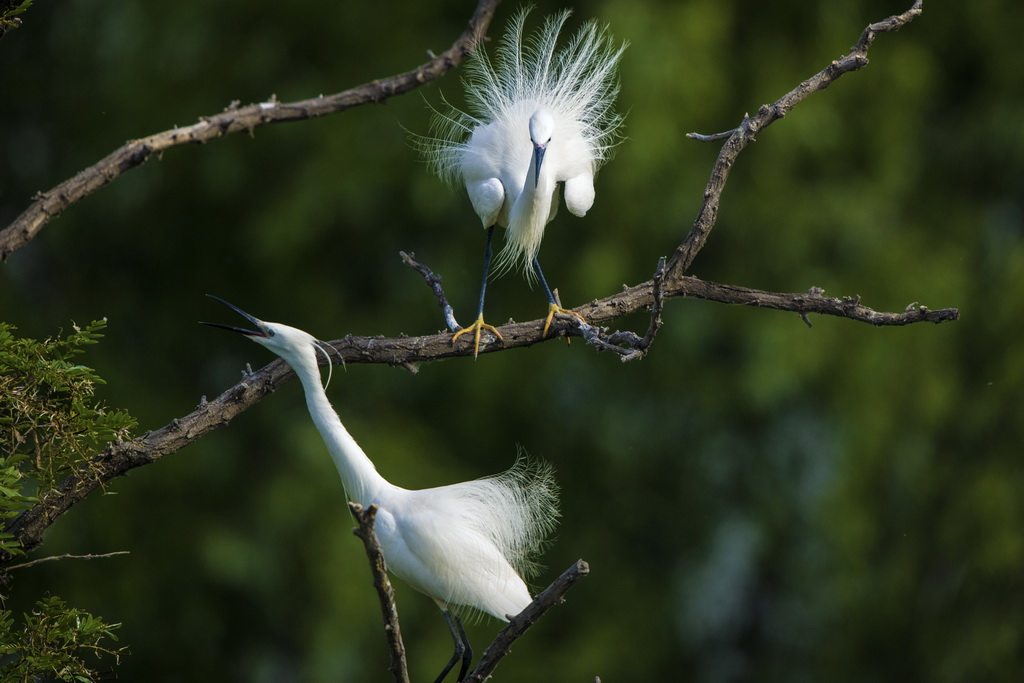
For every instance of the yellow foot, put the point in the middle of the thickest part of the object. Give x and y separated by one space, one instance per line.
476 328
554 309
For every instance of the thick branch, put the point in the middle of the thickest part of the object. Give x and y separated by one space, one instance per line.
386 594
48 205
123 456
768 114
813 301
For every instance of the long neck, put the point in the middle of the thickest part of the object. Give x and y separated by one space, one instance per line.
530 213
361 480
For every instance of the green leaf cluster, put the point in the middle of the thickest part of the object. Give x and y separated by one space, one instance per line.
12 501
54 643
9 20
50 421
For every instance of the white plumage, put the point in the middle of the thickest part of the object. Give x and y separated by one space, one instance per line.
464 545
540 117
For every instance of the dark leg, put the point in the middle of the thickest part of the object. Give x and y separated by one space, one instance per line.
467 654
462 651
479 324
543 282
487 268
553 306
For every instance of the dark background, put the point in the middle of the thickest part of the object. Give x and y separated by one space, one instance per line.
757 500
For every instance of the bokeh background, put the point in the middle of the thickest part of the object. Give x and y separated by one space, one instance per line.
757 500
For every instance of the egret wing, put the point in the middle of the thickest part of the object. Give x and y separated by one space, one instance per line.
439 552
579 194
487 197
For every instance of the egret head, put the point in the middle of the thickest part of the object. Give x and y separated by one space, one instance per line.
542 127
291 344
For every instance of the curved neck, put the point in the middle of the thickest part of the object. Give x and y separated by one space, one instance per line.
361 480
531 212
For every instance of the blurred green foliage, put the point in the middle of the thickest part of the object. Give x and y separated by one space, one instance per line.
757 500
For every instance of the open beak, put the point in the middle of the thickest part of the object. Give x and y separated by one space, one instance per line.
538 158
258 332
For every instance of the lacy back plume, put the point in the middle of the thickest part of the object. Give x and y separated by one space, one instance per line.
517 510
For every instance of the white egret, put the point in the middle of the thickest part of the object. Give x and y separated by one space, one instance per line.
539 117
465 544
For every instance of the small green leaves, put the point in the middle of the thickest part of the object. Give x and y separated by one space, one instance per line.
48 412
12 500
8 19
50 424
54 642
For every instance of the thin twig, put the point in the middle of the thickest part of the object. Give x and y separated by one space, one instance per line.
656 307
517 626
386 594
234 119
66 556
434 282
713 137
624 343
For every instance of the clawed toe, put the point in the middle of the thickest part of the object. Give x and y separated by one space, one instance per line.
476 328
555 309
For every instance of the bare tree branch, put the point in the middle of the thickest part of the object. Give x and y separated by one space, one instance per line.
118 458
713 137
234 119
434 282
66 556
657 306
813 301
389 611
748 129
548 598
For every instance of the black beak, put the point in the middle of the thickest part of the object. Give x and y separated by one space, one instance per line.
241 330
538 158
